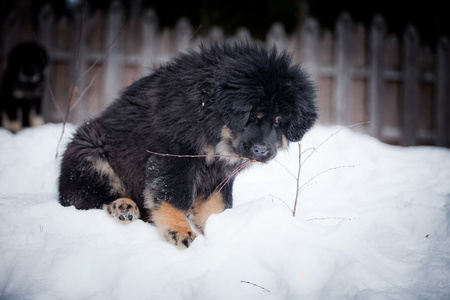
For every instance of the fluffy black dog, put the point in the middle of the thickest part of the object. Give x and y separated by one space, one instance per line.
23 85
172 143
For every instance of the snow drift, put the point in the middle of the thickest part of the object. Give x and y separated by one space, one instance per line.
372 222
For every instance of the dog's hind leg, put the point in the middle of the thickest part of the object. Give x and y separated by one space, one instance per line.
84 186
87 179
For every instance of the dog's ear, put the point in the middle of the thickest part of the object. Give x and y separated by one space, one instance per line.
299 124
303 114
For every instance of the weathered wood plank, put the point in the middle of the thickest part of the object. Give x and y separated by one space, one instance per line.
113 69
443 93
410 86
376 81
344 30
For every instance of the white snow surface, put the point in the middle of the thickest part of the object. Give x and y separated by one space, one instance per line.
372 222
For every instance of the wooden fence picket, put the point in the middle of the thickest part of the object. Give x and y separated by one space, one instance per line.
410 86
376 79
309 45
401 90
149 37
443 93
113 69
343 68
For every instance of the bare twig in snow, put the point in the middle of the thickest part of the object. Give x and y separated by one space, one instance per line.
264 289
301 163
298 177
110 48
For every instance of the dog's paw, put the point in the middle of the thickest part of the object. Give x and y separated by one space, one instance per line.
173 225
122 209
180 237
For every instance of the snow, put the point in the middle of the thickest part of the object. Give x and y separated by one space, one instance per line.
372 222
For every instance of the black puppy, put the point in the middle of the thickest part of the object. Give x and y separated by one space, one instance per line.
172 143
23 85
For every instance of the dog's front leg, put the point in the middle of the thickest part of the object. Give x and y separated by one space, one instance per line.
169 196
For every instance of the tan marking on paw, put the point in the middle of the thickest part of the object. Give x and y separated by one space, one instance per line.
36 120
173 225
122 209
203 208
13 126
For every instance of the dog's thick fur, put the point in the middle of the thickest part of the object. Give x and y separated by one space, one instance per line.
229 103
23 86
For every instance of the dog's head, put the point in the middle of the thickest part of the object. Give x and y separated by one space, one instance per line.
265 101
27 63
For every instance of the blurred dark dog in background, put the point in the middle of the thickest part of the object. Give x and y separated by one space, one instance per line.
22 87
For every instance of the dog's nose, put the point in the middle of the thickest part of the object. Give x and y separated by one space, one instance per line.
259 150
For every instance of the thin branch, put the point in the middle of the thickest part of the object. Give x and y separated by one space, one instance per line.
204 155
285 168
315 148
298 177
195 33
220 186
110 48
331 218
264 289
77 65
80 97
318 174
278 198
229 176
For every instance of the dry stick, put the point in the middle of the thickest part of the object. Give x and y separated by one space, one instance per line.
110 48
330 218
264 289
318 174
72 89
204 155
315 148
298 177
80 97
306 184
220 186
195 33
234 172
284 167
281 201
300 163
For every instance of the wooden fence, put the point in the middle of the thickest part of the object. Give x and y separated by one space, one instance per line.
400 88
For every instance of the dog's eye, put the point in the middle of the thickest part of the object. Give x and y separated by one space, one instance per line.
252 119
